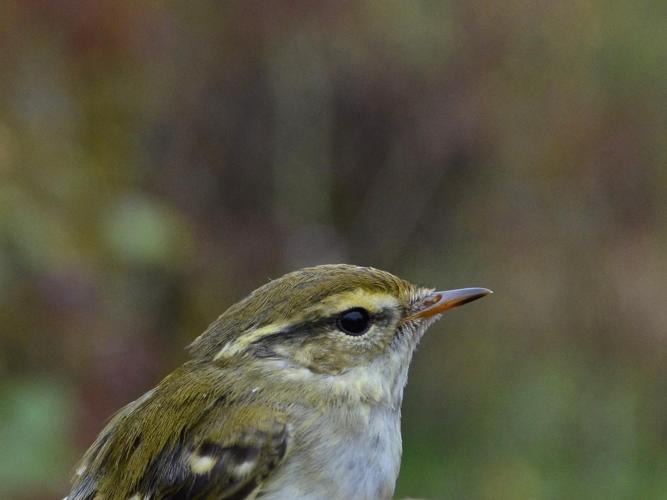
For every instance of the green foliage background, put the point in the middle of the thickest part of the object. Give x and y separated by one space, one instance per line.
159 160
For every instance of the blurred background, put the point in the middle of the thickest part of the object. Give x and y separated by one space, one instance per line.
159 160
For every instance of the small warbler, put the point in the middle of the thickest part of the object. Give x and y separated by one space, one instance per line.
293 392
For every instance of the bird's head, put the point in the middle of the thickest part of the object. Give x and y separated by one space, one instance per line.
334 322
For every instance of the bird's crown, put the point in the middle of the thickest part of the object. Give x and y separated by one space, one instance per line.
305 303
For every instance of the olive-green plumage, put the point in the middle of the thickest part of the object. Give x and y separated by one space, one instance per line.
293 392
286 298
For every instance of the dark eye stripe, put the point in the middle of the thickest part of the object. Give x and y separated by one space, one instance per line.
310 329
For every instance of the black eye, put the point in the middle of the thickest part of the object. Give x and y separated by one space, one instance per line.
354 321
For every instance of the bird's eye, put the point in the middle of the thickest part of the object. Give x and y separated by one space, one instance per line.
354 321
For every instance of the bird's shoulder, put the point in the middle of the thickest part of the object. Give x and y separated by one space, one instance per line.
202 432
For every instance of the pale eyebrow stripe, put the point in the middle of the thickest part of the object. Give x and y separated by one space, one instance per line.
375 303
246 338
371 301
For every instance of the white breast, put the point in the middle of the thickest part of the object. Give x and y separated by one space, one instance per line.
351 450
341 455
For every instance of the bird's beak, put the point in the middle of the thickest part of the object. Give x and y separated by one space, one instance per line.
439 302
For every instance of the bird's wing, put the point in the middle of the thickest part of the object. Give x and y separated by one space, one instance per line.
233 443
227 461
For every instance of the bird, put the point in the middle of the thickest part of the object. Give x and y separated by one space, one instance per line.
293 392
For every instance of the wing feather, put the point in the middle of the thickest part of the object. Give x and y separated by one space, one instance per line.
234 442
206 465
